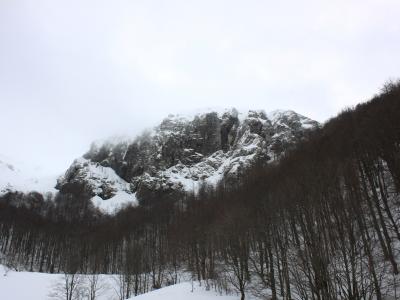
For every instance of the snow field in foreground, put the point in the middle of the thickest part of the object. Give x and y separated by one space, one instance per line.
38 286
183 291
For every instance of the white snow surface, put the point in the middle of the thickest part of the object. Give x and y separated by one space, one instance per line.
17 177
24 285
39 286
111 206
183 291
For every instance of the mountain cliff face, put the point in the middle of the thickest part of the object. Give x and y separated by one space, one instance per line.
183 153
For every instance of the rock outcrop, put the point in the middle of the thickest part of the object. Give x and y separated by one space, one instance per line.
183 153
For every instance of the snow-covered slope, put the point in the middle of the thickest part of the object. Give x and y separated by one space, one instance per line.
42 286
20 178
184 152
25 285
184 291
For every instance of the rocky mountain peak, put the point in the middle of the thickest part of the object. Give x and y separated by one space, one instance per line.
184 152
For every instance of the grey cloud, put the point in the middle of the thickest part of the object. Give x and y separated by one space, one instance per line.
74 71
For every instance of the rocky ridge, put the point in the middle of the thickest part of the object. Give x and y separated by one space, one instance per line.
185 152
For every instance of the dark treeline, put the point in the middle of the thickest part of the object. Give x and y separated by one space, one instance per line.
322 223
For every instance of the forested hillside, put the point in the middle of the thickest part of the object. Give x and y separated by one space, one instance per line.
322 222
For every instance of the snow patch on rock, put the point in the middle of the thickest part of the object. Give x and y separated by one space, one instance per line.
119 201
99 180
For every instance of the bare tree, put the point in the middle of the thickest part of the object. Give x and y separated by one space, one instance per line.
68 288
95 286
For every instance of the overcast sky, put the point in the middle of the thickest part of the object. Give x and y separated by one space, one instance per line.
72 71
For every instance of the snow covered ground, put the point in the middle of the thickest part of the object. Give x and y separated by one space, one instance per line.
40 286
184 291
24 285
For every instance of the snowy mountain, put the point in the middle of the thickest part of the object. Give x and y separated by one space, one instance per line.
183 153
17 177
